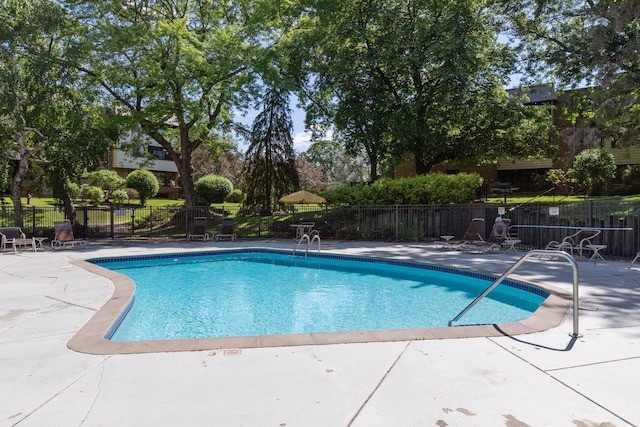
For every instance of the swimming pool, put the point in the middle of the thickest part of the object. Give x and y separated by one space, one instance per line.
255 293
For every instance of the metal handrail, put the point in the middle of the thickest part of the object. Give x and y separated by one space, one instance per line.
530 254
309 240
303 237
314 238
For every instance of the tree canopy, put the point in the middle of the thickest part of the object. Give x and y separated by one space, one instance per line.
49 125
174 69
419 76
576 43
423 77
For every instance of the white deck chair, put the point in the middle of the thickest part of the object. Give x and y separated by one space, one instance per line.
575 242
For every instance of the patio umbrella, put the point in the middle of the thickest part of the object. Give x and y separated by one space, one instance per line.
302 196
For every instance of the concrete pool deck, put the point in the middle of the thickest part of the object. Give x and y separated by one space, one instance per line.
540 379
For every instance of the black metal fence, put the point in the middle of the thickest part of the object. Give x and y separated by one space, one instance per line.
535 224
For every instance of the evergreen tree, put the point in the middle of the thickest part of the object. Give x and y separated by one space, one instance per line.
270 167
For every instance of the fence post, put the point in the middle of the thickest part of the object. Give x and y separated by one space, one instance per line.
187 212
113 222
397 221
539 233
86 220
33 220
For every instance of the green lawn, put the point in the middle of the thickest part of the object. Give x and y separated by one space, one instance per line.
517 198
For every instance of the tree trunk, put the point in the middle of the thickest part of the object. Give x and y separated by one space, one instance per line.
373 171
421 167
69 209
181 158
186 173
16 188
23 167
16 185
188 188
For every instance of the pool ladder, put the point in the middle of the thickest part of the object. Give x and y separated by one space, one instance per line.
315 236
540 254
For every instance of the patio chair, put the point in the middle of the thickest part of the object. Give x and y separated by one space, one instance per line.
511 240
472 234
199 229
499 234
16 238
575 242
226 230
64 236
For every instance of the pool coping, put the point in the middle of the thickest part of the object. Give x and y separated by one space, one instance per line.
91 338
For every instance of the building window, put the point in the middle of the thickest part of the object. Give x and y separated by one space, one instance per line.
159 153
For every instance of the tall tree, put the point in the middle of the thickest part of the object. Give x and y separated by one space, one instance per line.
227 163
577 43
44 117
420 76
339 167
270 168
175 68
312 176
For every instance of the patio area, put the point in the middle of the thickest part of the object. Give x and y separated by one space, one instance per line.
546 378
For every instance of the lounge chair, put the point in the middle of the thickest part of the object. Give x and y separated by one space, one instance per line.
472 234
14 237
575 242
199 229
499 234
226 230
64 236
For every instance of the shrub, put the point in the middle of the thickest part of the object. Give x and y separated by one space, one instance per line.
94 194
562 179
106 179
436 188
593 167
213 189
145 183
73 190
120 197
236 196
83 192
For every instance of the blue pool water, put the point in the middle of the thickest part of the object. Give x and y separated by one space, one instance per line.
249 292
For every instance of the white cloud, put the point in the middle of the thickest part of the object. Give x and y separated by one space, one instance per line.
302 141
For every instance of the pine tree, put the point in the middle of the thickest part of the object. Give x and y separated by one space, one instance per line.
270 168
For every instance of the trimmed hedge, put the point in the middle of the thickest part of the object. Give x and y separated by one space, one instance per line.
435 188
145 183
213 189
